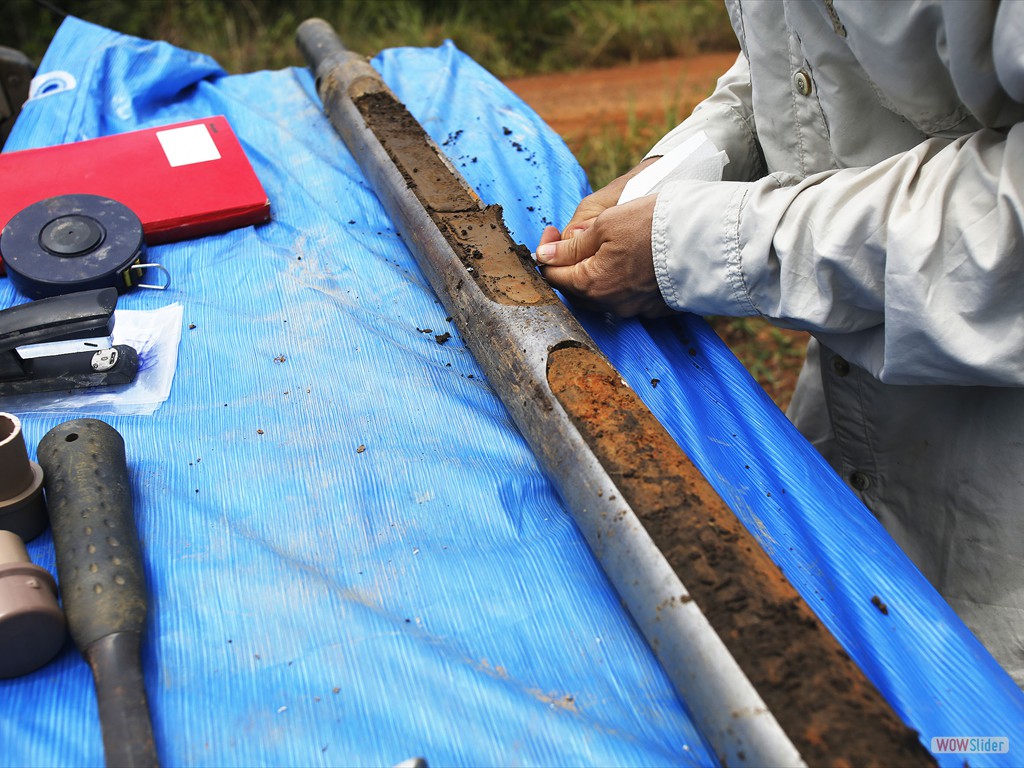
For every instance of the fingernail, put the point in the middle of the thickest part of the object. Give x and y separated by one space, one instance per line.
545 252
577 231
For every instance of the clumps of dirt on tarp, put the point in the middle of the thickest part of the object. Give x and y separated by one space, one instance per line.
822 700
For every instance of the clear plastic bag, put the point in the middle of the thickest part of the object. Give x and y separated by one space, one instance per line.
155 334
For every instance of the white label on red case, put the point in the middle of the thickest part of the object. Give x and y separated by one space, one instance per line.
189 145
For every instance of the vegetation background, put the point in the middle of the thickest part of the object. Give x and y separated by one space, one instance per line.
511 38
508 37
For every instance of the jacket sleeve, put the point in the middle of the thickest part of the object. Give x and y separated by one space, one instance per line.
912 268
727 118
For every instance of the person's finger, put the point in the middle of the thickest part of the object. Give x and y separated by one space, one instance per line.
562 253
596 203
585 215
564 279
578 282
550 235
577 228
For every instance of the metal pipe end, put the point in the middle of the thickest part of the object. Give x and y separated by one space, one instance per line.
22 509
318 41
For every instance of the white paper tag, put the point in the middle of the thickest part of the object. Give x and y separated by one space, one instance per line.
155 334
189 145
697 159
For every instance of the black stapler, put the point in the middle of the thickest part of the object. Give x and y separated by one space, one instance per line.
63 343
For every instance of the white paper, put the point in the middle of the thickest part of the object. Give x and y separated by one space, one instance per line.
189 145
697 158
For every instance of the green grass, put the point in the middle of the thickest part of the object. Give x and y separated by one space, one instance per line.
608 151
508 37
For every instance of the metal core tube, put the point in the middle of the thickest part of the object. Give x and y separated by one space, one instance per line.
732 716
627 484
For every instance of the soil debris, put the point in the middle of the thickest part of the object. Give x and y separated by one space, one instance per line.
820 697
882 607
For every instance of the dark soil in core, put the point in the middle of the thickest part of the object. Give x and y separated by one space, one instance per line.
477 234
822 700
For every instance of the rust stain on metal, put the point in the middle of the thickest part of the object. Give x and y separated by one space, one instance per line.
820 697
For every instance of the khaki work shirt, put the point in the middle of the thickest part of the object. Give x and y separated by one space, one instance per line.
874 196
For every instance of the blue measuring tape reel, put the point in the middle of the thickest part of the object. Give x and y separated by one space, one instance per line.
74 243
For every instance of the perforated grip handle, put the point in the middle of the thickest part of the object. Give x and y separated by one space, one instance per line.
101 579
97 546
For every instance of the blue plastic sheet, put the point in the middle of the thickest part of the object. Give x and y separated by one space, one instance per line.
352 555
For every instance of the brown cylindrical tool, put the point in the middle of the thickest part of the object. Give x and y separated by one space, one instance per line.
32 628
21 483
99 563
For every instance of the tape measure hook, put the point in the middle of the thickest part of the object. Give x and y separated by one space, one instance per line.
159 267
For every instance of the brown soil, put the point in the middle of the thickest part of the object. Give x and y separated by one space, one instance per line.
500 275
830 711
575 103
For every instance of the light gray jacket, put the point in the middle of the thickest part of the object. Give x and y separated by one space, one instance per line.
874 196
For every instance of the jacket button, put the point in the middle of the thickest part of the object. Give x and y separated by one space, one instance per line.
840 366
802 82
860 481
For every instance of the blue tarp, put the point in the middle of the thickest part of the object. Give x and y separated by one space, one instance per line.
312 603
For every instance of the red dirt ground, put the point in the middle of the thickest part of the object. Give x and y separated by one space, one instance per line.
575 103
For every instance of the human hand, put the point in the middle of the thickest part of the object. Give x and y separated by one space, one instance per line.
594 204
608 265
